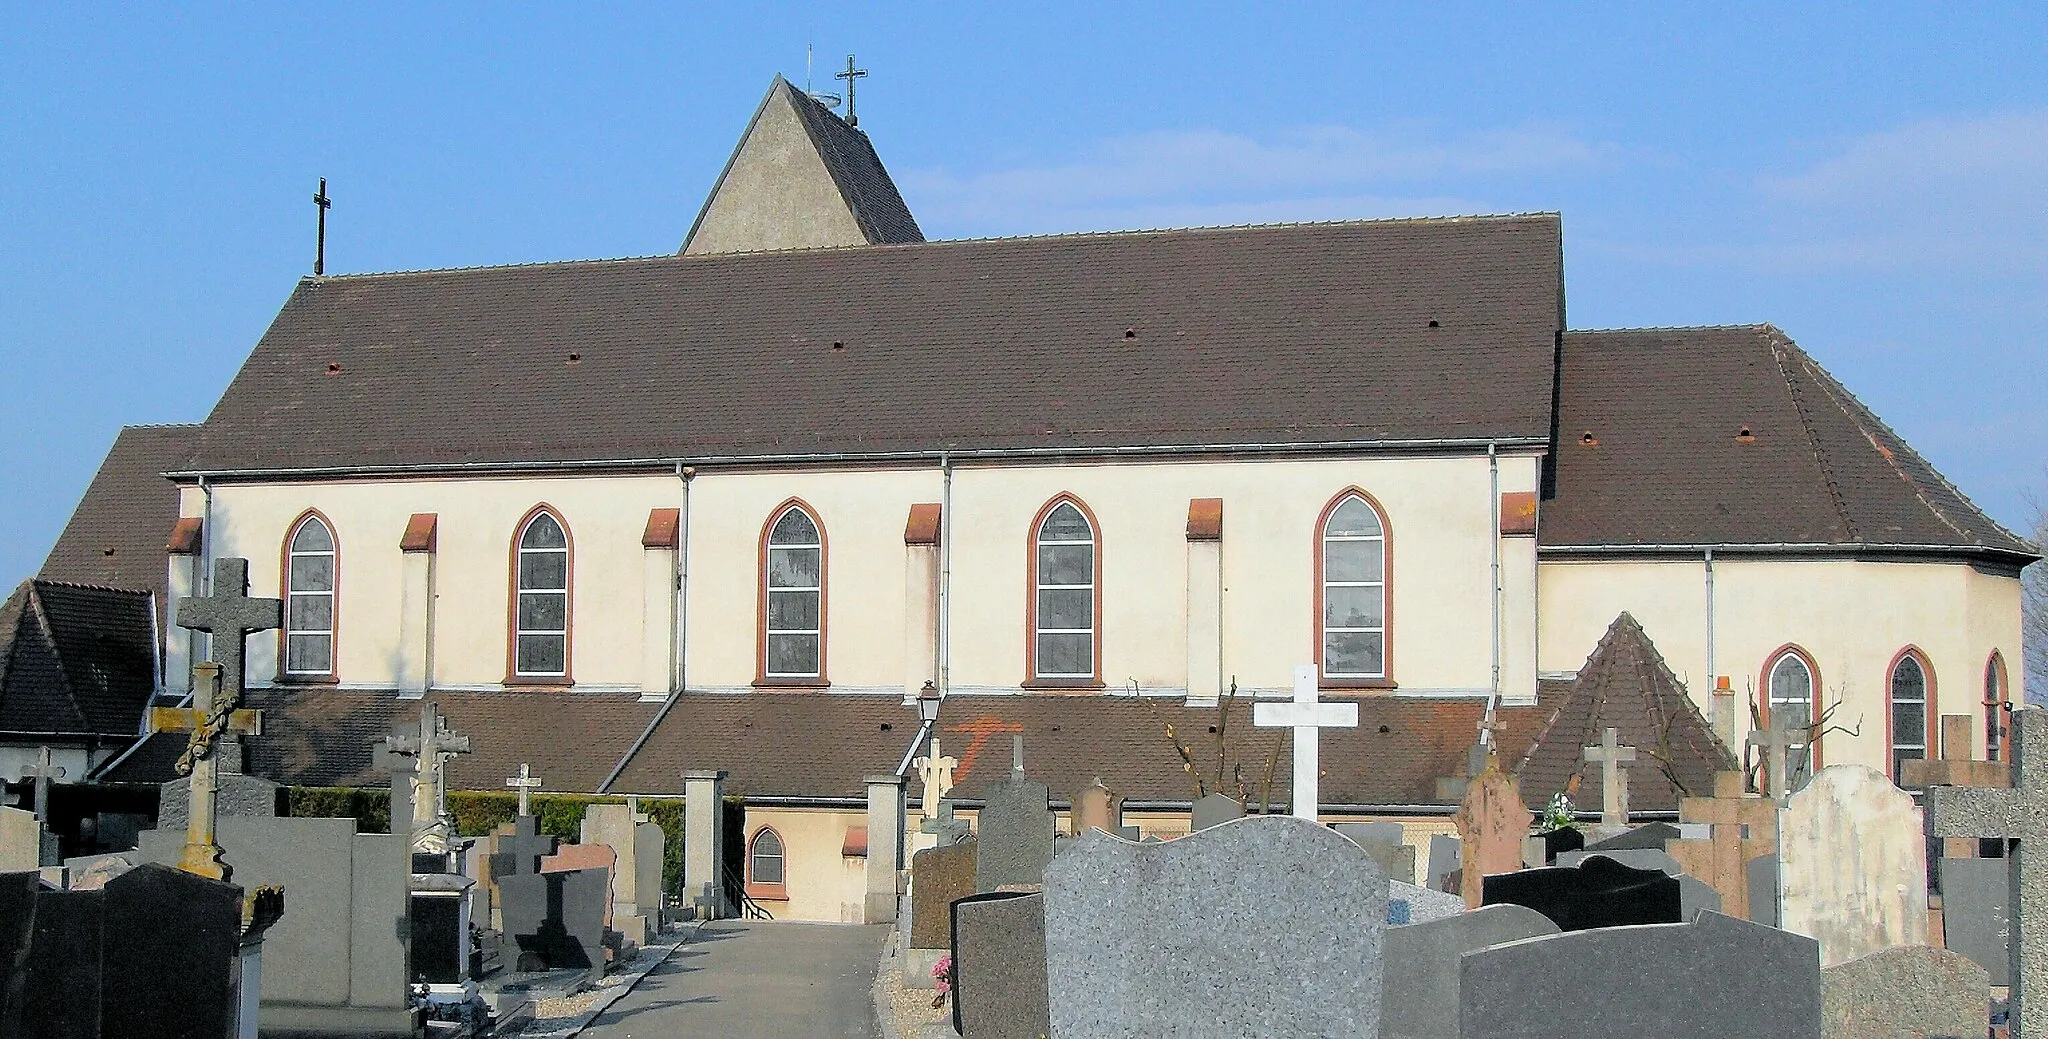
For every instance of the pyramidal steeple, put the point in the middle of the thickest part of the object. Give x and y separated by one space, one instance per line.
801 178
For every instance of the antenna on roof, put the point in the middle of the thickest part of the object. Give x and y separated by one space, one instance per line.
850 75
828 100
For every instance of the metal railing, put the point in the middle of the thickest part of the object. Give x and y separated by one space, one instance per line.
736 896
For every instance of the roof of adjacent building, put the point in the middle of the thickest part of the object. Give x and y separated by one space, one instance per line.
1375 332
1735 436
1626 685
115 537
75 660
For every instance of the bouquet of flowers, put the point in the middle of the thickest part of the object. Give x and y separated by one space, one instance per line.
942 980
1558 814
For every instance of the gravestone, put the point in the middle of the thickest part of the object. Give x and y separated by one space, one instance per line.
1383 841
438 938
2018 815
1307 716
557 919
1694 895
60 996
1713 978
236 795
1852 863
1213 809
169 947
1906 990
1739 828
1762 872
636 881
1648 835
998 947
1097 806
1015 830
1974 920
1611 756
1263 926
18 891
1561 841
1443 860
1410 904
1420 997
1492 820
1598 892
21 843
939 877
91 872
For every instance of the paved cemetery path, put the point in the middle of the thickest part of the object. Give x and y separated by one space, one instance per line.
756 980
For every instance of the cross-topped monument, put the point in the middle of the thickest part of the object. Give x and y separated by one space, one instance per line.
935 770
850 75
1307 717
1777 744
229 616
2018 815
526 782
206 720
1611 755
431 745
43 771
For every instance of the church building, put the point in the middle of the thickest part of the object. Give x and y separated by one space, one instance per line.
734 508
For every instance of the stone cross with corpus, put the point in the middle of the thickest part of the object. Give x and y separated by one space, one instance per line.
936 772
431 745
525 781
1613 778
1307 718
2019 815
1777 745
42 772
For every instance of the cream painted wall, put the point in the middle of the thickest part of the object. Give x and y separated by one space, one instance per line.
822 884
1852 617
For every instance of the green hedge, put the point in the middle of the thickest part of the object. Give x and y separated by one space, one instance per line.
479 812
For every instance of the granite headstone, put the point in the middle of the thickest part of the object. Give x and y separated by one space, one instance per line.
1598 892
1648 835
1263 926
1853 904
1420 999
1762 876
1974 893
1710 979
61 995
170 947
939 877
557 919
1443 860
1906 990
18 892
1413 904
1212 809
1015 833
1383 841
998 948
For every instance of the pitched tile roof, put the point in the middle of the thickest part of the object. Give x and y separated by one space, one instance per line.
1671 466
1626 684
1290 334
75 659
850 157
115 537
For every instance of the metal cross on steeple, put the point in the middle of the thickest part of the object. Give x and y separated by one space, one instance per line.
324 203
850 75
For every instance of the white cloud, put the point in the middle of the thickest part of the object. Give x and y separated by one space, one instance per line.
1171 178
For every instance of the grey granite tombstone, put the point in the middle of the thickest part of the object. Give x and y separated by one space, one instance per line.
238 795
1710 979
1213 809
1443 860
1420 994
1648 835
1973 913
939 877
998 948
557 919
18 892
1015 833
1906 990
1383 841
169 939
1411 904
1761 873
61 998
1598 892
1263 926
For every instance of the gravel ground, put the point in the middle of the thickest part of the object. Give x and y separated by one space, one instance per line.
913 1015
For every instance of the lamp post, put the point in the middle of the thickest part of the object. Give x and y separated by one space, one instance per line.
928 700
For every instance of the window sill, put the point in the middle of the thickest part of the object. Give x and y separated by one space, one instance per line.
537 682
307 680
771 684
768 892
1073 684
1359 683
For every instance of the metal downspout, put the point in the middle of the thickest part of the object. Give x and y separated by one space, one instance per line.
1493 508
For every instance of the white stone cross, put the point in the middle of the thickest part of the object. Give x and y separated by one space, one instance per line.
633 809
1307 718
42 772
937 773
1777 745
525 781
1613 778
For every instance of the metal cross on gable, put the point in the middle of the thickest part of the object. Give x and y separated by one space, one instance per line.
525 782
850 75
2018 815
1611 755
1307 716
230 616
43 771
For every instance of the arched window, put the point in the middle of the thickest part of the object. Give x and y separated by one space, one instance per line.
1911 687
1066 568
793 596
1994 707
1352 564
1791 684
540 646
309 596
765 873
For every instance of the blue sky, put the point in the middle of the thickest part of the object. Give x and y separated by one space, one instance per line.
1873 179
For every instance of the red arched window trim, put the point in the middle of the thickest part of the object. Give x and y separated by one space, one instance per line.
284 591
777 891
1929 712
512 676
761 678
1997 721
1386 679
1031 679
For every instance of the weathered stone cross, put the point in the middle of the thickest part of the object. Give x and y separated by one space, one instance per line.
432 745
42 772
633 809
1613 778
230 616
936 772
1777 746
2018 815
948 830
1307 718
525 781
206 719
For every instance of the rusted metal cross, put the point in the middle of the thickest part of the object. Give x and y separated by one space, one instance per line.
850 75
